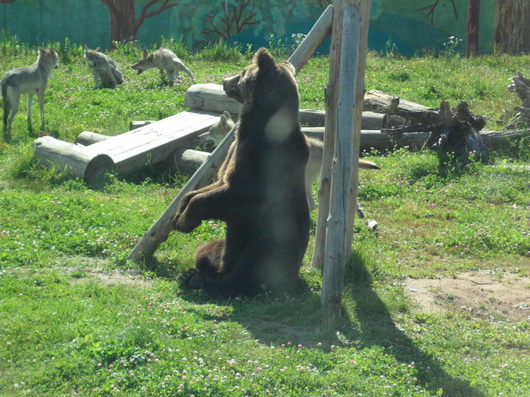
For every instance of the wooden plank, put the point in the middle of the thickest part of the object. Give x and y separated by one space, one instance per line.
154 142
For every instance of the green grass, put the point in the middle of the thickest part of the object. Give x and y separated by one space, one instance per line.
76 319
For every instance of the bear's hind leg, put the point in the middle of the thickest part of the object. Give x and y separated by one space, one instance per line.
207 265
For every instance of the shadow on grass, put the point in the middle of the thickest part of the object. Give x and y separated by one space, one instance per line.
297 319
376 327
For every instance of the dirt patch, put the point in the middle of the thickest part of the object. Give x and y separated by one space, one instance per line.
481 293
114 277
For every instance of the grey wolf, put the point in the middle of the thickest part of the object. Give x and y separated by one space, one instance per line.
105 70
166 61
27 80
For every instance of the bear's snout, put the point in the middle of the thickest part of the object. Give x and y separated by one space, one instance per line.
230 86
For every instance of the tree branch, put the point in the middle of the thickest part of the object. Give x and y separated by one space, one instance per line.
146 14
432 7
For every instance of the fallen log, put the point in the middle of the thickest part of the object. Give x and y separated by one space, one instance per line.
386 140
379 102
212 98
187 161
76 160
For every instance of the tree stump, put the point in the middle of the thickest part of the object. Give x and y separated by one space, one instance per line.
520 86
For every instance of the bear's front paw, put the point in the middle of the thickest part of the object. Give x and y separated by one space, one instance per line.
182 224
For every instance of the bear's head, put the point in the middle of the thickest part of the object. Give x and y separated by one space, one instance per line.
263 80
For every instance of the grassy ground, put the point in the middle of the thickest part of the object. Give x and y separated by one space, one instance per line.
76 320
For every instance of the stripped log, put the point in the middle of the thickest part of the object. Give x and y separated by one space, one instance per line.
187 161
211 97
318 33
76 160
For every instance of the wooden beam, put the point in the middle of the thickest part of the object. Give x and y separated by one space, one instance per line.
318 33
347 63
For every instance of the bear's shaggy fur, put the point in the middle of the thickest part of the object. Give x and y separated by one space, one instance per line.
261 193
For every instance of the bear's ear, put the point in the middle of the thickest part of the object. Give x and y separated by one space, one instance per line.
264 60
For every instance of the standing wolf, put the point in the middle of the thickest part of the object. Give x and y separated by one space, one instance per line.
27 80
106 72
164 60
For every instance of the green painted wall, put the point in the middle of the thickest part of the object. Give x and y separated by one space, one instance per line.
393 21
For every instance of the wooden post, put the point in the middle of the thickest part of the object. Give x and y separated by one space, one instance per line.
345 91
159 232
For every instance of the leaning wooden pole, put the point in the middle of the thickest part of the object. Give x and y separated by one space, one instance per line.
349 22
159 232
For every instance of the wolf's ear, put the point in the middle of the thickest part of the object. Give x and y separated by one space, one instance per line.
264 59
97 49
226 115
41 50
86 47
145 54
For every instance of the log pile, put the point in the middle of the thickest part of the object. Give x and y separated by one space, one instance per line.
388 122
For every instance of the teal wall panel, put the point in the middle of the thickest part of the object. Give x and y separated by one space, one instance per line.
88 22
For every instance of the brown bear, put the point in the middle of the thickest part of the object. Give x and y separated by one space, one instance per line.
261 192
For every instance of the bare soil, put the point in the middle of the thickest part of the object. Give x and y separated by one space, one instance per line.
482 294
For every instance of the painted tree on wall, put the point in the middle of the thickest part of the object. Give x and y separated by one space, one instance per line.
123 20
512 27
472 25
222 19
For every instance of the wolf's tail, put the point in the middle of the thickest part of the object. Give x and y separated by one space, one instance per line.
187 71
366 164
5 101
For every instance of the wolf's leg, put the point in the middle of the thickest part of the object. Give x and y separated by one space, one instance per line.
30 101
41 106
13 98
359 209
